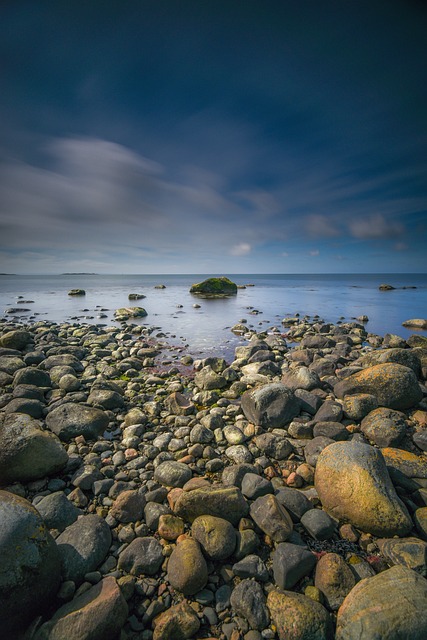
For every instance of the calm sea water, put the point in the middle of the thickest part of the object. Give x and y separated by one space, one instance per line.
207 329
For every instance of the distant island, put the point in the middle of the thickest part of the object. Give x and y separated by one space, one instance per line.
80 273
7 274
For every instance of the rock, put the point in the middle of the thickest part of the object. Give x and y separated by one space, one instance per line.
187 569
294 501
272 518
353 485
357 406
209 380
83 546
297 617
270 406
97 614
407 552
128 506
401 461
403 356
63 360
314 448
386 287
234 474
390 605
415 323
334 578
180 622
301 378
35 377
393 385
214 287
172 474
170 527
219 501
248 600
57 511
274 446
11 364
70 420
30 407
179 405
420 439
384 427
124 313
77 292
143 556
16 339
254 486
332 430
216 536
136 296
105 399
330 411
251 566
26 452
30 566
318 524
291 562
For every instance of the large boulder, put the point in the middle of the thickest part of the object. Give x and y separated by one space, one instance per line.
26 451
17 339
393 385
354 486
270 406
70 420
30 565
214 287
391 604
96 614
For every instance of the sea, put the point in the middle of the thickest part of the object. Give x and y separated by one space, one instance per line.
204 330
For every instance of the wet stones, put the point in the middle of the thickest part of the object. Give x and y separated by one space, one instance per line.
354 486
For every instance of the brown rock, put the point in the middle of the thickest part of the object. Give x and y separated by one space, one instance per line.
177 623
297 617
334 578
187 569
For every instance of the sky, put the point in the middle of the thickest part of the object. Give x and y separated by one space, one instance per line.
210 136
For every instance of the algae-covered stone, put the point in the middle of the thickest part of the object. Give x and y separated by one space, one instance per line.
223 502
215 287
390 605
297 617
124 313
180 622
17 339
216 536
408 552
77 292
411 465
187 569
354 486
393 385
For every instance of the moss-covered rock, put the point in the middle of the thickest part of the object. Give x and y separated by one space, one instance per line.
124 313
215 287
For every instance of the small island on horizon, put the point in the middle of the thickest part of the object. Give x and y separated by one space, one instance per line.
79 273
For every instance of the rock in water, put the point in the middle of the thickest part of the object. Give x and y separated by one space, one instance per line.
97 614
354 486
390 605
393 385
30 565
270 406
215 287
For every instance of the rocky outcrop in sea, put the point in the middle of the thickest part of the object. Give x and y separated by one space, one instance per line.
281 495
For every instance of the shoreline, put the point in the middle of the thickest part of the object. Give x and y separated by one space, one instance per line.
203 486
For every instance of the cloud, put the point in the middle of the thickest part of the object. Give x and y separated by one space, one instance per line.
375 226
321 226
241 249
401 246
315 252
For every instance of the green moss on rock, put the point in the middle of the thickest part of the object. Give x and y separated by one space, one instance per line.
215 287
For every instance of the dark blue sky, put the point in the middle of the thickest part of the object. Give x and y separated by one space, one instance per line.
209 136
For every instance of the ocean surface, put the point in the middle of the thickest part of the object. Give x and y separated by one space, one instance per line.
207 330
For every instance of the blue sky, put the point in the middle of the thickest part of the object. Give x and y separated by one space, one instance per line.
213 137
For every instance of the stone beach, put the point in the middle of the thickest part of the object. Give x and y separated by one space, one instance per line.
145 495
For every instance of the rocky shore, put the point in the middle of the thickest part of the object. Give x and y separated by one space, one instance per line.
282 495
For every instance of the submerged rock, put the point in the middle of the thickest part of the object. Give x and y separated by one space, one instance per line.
214 287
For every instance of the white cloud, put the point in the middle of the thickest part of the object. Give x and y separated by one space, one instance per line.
321 226
315 252
241 249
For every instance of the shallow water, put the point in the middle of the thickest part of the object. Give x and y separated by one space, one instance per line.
207 329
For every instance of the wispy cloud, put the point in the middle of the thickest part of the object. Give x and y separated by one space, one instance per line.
241 249
375 226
